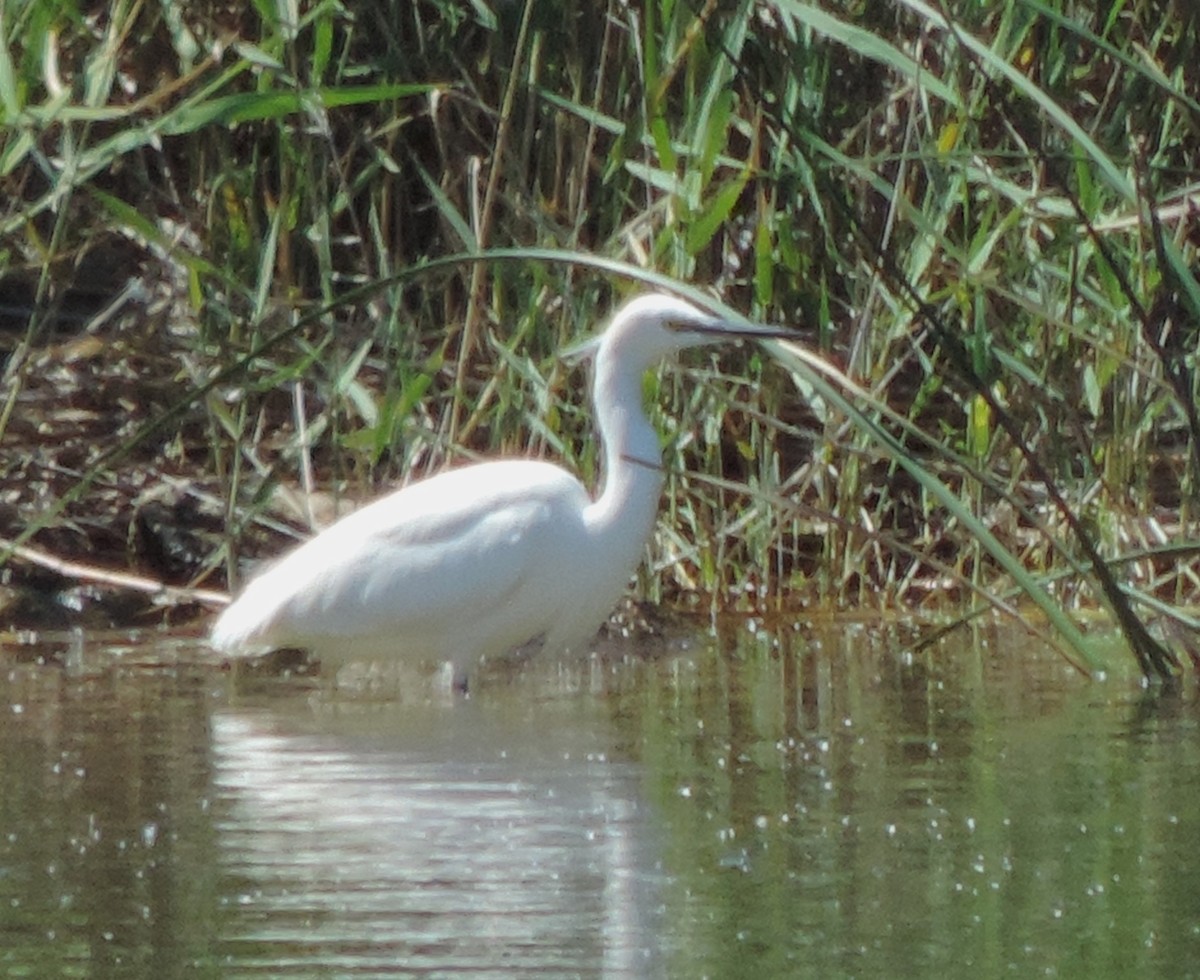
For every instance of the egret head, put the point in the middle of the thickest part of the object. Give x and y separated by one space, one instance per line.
655 326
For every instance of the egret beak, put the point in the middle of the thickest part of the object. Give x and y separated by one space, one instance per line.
734 330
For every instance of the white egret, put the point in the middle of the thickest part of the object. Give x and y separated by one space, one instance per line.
482 559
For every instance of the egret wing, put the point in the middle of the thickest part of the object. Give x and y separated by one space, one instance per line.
406 566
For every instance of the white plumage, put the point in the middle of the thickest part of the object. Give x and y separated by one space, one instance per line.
479 560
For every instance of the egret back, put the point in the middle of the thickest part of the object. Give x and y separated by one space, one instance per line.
466 563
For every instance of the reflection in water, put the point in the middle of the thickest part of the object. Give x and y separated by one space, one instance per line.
445 839
975 810
786 804
106 846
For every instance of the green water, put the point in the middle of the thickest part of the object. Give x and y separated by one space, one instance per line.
748 805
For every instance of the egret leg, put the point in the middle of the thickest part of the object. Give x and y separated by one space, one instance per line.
454 677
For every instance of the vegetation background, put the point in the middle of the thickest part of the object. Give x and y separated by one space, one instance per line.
246 249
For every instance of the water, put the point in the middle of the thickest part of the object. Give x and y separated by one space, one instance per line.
753 804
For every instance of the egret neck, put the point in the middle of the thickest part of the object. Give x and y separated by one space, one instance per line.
627 507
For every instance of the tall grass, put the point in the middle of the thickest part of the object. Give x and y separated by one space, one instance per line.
980 214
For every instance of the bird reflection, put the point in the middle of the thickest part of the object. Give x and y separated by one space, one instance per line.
475 847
